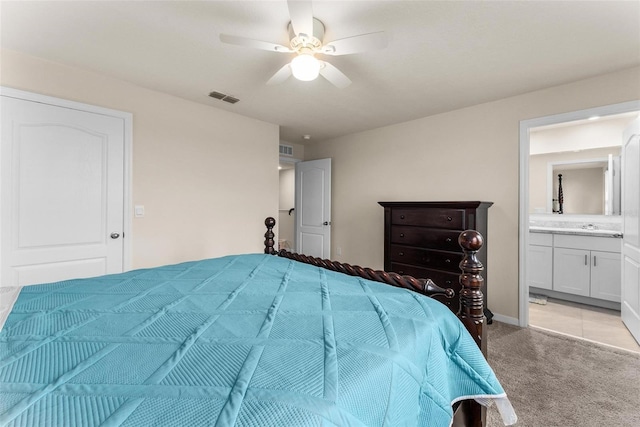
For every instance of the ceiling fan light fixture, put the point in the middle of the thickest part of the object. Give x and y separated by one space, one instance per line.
305 67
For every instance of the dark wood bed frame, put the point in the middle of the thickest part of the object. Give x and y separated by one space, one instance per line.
471 313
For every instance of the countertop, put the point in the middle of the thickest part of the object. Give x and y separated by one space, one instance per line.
576 231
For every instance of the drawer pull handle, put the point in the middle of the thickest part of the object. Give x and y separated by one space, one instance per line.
586 259
447 260
594 261
449 218
401 234
448 240
401 253
401 216
448 282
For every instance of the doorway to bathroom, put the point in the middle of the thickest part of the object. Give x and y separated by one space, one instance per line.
584 148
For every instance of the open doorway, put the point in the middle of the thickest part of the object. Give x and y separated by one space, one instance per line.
286 214
585 151
286 211
290 154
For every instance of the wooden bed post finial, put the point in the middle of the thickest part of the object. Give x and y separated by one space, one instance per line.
269 243
471 297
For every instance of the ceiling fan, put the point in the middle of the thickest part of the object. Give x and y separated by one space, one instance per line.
306 35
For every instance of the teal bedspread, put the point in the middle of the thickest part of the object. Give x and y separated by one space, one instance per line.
249 340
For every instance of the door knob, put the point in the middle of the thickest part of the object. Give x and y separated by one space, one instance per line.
326 223
115 235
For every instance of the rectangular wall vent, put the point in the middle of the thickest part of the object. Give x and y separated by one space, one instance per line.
223 97
286 150
217 95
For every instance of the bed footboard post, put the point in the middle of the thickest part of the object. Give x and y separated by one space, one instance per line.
471 298
472 313
269 243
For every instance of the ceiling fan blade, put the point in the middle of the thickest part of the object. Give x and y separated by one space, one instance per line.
301 14
280 76
356 44
335 76
257 44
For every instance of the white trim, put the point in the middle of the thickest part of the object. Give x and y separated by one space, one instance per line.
523 228
128 152
505 319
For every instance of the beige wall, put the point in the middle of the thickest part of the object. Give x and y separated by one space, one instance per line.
467 154
583 136
206 177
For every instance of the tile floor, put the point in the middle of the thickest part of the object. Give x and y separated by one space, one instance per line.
583 321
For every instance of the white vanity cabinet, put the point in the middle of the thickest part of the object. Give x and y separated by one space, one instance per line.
587 266
606 274
540 260
571 272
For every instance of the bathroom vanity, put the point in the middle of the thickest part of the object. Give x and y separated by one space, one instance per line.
575 262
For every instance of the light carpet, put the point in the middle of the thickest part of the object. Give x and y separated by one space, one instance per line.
555 380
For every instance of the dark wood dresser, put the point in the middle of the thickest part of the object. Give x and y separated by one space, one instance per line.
421 240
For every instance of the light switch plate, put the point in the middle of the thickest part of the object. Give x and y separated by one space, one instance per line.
138 211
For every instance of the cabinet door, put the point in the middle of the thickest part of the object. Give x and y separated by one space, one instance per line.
540 267
571 271
606 279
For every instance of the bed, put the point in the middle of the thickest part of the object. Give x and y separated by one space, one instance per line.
273 339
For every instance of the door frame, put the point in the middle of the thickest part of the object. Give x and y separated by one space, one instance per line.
523 227
128 150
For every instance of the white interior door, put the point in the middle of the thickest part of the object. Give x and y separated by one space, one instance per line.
313 208
630 306
62 192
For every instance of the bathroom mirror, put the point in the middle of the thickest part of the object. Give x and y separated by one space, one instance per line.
587 155
589 186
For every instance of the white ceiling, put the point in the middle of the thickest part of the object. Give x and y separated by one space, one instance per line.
442 55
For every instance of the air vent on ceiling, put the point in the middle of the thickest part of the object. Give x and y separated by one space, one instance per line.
286 150
223 97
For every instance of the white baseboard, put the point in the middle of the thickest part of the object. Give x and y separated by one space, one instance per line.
506 319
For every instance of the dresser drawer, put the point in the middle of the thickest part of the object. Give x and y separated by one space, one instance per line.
440 278
452 219
426 238
440 260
